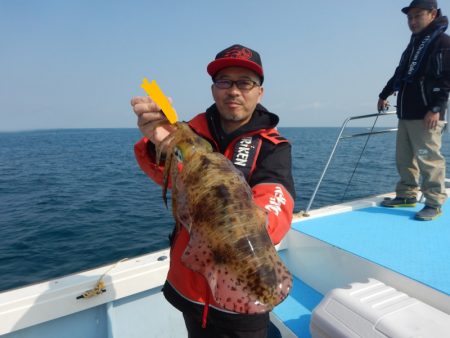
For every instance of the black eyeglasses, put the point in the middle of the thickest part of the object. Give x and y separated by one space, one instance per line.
240 84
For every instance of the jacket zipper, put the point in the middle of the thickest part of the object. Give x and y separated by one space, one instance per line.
404 86
422 89
439 64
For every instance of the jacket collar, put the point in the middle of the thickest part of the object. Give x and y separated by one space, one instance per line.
440 23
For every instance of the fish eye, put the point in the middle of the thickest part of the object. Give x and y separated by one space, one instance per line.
178 154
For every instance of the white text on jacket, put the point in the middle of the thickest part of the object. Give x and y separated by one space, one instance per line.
276 201
243 151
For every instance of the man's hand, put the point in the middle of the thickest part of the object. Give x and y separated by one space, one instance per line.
149 115
431 119
382 105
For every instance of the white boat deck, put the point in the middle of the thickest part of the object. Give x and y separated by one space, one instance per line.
332 248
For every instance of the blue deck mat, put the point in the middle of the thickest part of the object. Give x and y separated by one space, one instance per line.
391 237
295 310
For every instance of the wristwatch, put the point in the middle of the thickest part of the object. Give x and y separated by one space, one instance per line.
436 109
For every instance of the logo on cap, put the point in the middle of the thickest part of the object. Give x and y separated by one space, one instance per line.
238 53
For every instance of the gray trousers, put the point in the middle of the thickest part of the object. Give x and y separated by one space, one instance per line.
419 154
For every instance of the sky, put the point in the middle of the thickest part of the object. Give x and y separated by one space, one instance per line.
78 63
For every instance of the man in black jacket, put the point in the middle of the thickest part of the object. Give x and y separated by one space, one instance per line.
422 81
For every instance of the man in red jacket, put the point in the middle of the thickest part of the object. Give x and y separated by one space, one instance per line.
239 127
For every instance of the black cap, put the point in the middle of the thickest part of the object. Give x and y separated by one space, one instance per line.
237 56
424 4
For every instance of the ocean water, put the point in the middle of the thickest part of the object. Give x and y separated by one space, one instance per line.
72 200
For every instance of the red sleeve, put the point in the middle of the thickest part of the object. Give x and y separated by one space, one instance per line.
279 204
147 164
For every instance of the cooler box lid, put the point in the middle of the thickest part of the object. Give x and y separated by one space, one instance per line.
374 309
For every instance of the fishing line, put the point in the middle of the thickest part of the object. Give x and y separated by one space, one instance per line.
360 156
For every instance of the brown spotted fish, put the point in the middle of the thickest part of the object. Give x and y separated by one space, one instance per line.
229 243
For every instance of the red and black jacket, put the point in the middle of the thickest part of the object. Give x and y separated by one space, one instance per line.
264 157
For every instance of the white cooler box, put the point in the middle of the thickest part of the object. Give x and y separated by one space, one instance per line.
376 310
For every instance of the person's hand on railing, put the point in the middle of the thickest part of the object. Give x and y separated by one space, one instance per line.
383 106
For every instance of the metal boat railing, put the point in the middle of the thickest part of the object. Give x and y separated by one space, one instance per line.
340 137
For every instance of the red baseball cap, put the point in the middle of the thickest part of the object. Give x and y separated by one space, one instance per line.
237 56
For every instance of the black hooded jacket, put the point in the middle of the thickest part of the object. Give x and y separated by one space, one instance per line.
422 78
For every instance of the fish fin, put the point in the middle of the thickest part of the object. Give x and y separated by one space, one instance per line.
175 187
233 289
166 144
166 176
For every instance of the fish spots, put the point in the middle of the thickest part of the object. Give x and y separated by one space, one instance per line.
228 240
200 215
205 162
222 192
220 256
267 275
